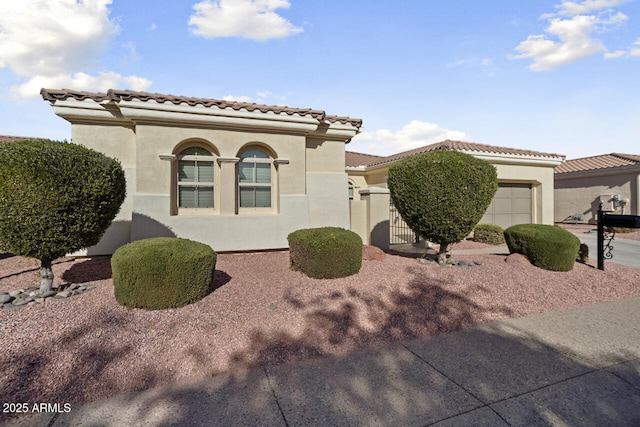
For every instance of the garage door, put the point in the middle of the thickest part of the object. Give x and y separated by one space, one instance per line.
511 205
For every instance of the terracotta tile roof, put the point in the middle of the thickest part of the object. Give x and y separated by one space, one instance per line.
603 161
353 159
114 95
450 145
10 138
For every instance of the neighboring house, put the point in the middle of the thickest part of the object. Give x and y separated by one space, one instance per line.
234 175
11 138
525 179
581 184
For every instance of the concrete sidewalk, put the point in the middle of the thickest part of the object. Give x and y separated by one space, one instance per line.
578 367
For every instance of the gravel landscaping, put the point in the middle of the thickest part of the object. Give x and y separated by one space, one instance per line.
88 347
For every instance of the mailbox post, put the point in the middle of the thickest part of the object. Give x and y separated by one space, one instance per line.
606 222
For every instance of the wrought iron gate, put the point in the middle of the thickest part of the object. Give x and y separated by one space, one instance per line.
400 233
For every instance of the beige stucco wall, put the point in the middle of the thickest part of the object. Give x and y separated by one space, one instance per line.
580 193
309 186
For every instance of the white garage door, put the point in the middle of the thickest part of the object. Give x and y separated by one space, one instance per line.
511 205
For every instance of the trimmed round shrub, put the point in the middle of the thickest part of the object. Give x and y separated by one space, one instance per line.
325 253
442 194
162 272
56 198
488 233
546 246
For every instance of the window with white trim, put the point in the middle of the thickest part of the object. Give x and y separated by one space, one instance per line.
254 179
196 172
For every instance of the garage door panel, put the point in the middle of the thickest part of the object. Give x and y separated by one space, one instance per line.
522 192
511 205
503 192
521 206
502 206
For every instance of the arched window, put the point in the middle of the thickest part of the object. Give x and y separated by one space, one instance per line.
351 189
196 171
254 179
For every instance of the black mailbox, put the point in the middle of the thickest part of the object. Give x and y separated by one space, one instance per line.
625 221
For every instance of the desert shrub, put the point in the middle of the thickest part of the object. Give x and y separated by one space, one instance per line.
56 198
325 253
488 233
442 195
583 253
546 246
162 272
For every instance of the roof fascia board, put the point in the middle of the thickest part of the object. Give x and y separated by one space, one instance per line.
89 112
516 159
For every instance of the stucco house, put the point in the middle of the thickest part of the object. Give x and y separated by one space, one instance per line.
525 180
581 184
237 176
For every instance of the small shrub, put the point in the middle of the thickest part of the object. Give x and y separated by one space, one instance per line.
546 246
162 272
325 253
489 233
583 253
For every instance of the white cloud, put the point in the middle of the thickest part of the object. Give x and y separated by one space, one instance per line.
415 134
49 43
252 19
570 8
635 50
232 98
568 37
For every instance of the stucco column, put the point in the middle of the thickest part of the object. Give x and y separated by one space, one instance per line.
377 212
227 192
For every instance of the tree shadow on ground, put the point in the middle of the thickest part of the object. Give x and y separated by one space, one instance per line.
351 319
502 374
26 369
88 270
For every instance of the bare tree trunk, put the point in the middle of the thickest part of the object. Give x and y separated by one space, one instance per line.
442 253
46 276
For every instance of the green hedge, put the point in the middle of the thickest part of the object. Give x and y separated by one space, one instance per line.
162 272
546 246
325 253
488 233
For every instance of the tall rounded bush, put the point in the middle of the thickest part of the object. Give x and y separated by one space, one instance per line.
325 253
546 246
55 198
443 194
162 272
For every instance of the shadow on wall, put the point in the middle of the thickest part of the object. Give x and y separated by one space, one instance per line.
121 232
144 227
380 235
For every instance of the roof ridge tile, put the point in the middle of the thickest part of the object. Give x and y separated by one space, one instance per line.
117 95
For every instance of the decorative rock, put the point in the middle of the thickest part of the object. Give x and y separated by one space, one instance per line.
31 296
21 301
372 253
477 262
517 259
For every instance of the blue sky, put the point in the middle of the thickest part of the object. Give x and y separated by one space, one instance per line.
554 76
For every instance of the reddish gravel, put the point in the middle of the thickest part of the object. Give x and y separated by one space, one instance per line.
89 347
